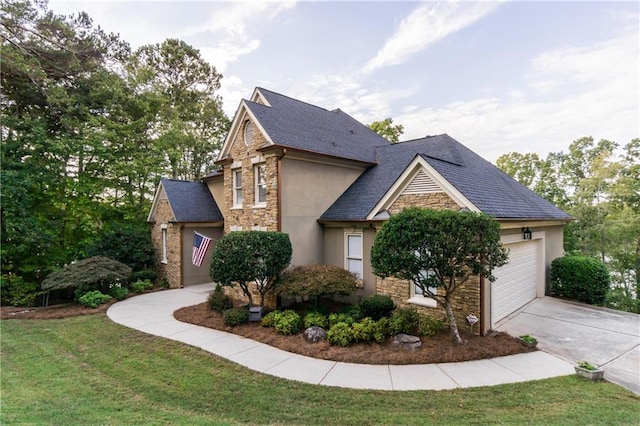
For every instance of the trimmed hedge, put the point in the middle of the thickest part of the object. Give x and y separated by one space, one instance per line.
235 316
377 306
581 278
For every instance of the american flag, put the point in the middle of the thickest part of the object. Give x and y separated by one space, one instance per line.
200 247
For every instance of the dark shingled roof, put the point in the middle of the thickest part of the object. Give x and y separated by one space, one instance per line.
191 201
486 186
295 124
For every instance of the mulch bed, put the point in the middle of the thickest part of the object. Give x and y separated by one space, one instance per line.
435 349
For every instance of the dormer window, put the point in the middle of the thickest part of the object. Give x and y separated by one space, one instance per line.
249 129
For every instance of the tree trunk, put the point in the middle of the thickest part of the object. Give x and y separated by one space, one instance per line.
452 323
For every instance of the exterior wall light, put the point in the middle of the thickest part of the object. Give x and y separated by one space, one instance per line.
526 233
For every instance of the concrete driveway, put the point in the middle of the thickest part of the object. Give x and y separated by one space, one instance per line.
578 332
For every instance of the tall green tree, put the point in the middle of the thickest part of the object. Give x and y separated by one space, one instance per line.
387 129
189 125
438 249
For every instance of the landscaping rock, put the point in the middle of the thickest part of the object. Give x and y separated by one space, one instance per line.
407 341
315 334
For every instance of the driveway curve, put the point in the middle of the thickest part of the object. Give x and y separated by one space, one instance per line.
152 313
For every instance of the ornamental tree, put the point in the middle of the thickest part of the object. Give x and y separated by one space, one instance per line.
438 249
317 281
244 257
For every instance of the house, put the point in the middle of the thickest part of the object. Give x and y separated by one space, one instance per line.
330 183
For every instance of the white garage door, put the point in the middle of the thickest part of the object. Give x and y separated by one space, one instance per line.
515 283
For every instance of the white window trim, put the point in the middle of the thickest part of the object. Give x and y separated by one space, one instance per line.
235 189
346 251
256 202
164 259
234 228
259 228
419 299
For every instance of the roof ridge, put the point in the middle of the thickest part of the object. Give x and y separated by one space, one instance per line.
293 99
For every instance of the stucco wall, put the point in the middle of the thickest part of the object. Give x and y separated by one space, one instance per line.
192 274
308 190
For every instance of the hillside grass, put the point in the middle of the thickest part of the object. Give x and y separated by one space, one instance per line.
89 370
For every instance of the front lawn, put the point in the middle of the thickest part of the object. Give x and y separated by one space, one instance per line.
88 370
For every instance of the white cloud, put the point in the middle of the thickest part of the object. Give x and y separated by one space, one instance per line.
569 93
229 27
427 24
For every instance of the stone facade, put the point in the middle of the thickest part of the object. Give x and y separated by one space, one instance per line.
466 299
236 293
245 157
172 270
436 200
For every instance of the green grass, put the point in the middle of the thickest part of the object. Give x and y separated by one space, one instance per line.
88 370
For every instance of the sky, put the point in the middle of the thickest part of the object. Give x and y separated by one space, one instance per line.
499 77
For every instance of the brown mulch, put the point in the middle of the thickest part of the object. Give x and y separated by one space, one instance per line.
435 349
52 312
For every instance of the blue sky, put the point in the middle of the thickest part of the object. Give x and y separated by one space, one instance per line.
497 76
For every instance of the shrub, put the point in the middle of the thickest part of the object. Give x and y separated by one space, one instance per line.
404 320
316 281
144 275
336 318
235 316
353 311
317 319
270 319
218 301
429 326
365 330
377 306
95 273
93 299
622 300
251 256
141 286
340 334
288 322
119 292
581 278
17 292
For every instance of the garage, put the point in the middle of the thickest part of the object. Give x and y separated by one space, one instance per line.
518 281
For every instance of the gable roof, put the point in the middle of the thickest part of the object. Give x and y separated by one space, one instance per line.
485 186
189 201
295 124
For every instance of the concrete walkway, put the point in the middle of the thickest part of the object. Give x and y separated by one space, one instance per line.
153 313
578 332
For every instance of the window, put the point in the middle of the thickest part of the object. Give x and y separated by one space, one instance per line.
353 250
237 188
417 295
164 260
260 175
248 132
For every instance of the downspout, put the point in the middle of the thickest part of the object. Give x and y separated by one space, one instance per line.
182 263
482 306
279 184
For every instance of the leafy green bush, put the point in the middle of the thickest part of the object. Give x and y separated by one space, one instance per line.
429 326
315 318
288 322
95 273
270 319
404 320
335 318
377 306
353 311
119 292
581 278
235 316
316 281
93 299
251 256
365 331
17 292
141 286
218 301
144 275
340 334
